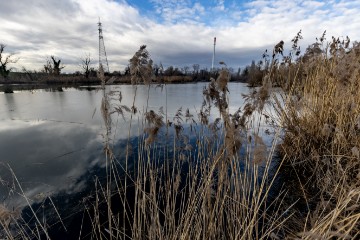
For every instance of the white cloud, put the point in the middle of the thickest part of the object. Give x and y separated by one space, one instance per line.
173 11
220 5
312 4
68 29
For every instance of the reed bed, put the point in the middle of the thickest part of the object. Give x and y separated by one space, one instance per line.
190 184
320 119
190 176
197 185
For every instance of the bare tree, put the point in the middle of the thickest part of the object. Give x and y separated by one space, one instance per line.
53 67
57 68
85 65
196 68
186 69
48 68
4 61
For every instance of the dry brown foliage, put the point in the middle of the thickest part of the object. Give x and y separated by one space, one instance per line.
320 117
141 67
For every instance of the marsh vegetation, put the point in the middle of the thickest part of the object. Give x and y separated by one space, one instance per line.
210 173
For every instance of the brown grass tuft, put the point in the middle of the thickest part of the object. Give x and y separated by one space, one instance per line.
321 142
141 67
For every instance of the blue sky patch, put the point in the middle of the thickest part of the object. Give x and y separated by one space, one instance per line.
207 12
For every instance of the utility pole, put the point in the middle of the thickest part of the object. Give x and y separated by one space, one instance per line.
213 58
102 51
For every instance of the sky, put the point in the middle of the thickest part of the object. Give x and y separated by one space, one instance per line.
177 32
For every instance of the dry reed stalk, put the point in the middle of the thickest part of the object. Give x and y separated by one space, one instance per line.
221 195
141 67
321 140
12 225
6 217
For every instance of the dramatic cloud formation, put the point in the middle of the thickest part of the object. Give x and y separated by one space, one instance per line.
177 32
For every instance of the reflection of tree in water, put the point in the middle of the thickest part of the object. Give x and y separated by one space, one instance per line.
11 105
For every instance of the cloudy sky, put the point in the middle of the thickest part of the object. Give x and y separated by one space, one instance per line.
176 32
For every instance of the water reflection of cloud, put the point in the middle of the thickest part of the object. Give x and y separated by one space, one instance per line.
52 154
16 124
54 141
49 157
175 96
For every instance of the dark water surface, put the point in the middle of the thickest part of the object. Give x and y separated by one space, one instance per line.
51 143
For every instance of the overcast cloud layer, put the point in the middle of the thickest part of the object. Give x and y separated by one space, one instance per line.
177 32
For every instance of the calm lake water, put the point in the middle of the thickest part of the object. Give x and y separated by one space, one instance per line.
53 141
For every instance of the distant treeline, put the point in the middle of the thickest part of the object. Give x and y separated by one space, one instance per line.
169 75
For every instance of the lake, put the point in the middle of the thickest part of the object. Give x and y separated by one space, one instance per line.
51 142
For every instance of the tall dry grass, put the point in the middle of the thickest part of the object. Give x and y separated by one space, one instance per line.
194 184
14 224
192 177
319 114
